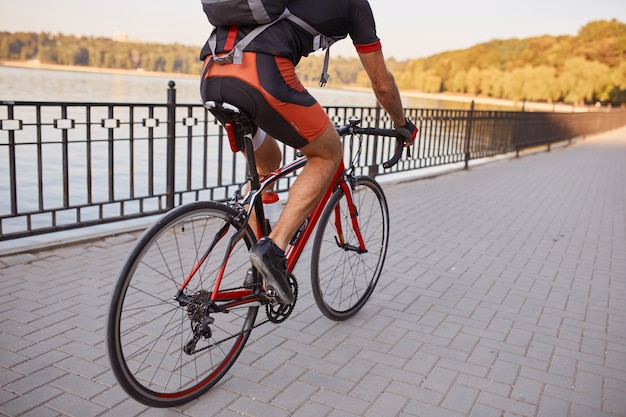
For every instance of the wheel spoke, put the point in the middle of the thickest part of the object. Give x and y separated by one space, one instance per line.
342 275
148 330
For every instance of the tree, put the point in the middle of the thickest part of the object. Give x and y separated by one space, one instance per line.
472 81
583 81
617 94
601 29
514 85
540 84
81 57
458 84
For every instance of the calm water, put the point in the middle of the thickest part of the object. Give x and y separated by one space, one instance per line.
25 84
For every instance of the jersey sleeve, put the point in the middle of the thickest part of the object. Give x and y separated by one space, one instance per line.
363 27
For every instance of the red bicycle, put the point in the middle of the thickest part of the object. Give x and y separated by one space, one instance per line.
183 306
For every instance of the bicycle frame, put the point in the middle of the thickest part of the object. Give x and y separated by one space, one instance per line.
238 297
294 250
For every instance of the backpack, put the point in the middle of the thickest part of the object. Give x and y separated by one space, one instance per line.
263 14
243 12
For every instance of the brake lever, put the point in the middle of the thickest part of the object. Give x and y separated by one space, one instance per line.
397 155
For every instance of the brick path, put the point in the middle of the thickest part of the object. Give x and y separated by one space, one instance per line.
504 294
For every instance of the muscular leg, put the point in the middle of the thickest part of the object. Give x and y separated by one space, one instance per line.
323 155
268 156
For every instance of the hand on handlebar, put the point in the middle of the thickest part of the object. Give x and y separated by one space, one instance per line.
408 131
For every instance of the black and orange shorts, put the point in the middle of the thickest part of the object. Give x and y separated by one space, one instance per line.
267 88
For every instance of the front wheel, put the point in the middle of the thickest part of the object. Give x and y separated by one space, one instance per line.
164 347
349 248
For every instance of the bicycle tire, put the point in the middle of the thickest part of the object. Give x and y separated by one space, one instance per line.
342 279
147 329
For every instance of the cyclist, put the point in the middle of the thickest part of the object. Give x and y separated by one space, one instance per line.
266 87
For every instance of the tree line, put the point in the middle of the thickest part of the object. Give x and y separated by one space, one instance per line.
95 52
586 68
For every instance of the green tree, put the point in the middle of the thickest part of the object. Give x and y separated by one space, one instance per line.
513 88
473 81
583 81
458 84
81 57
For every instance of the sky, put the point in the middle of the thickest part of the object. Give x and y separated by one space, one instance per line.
407 28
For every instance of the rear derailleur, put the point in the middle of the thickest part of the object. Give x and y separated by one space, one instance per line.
197 310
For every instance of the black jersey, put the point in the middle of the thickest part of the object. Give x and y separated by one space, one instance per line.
336 19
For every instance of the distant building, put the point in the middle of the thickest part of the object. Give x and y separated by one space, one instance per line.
120 36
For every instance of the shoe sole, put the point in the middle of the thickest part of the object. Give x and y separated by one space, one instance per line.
258 263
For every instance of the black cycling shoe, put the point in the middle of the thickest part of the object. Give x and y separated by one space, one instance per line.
272 265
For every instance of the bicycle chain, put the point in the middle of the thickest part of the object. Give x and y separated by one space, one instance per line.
273 316
230 337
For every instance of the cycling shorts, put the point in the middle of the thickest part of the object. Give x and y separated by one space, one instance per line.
268 89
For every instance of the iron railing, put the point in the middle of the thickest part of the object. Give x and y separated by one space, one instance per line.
66 165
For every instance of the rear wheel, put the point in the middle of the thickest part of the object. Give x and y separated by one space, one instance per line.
343 275
165 352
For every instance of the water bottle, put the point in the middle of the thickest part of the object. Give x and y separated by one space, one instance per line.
271 206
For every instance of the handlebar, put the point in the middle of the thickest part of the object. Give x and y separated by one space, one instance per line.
354 129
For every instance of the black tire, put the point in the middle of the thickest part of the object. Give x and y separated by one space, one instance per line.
342 279
147 330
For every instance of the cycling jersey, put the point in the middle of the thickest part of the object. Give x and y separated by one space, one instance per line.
334 18
265 84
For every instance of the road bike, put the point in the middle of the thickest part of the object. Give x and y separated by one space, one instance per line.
186 298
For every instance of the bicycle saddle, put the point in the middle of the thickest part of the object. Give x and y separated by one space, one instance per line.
237 122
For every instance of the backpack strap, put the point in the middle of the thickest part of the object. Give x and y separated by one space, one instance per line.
320 41
235 55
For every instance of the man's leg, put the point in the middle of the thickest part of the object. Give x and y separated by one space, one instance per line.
267 256
323 157
268 156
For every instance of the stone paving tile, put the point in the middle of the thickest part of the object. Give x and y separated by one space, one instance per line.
503 294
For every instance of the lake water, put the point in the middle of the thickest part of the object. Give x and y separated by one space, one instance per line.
26 84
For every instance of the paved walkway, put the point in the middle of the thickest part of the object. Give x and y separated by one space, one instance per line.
504 294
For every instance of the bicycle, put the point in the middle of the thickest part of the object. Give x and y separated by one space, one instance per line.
186 299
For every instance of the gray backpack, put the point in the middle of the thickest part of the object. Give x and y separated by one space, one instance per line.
263 14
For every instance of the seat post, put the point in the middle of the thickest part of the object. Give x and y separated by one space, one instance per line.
255 185
253 173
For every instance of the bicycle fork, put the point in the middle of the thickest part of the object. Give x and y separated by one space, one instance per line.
354 218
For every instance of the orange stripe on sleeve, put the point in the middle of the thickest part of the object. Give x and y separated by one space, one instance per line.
370 47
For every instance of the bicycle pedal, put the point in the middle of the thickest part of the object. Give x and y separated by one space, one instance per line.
250 278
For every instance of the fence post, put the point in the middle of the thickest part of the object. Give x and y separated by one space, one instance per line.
12 163
171 148
468 135
373 167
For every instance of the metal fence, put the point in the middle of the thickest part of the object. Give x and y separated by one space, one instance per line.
67 165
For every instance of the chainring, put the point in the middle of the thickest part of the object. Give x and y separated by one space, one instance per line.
278 313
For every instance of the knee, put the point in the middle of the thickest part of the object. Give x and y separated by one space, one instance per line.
327 147
337 153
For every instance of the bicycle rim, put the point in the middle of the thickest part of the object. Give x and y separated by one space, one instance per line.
343 277
148 329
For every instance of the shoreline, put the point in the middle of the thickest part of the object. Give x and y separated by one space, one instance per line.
528 105
537 106
76 68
